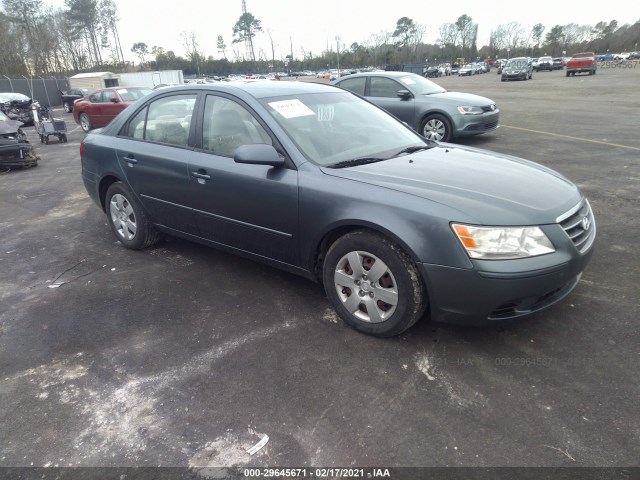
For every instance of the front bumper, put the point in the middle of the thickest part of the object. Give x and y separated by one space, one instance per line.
465 125
494 291
514 76
18 155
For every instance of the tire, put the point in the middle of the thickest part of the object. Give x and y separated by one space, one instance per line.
67 107
384 294
127 219
568 73
46 139
64 138
85 123
436 127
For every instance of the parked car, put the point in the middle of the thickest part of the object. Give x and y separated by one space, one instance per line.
425 106
582 62
102 106
445 69
545 63
634 56
467 70
67 98
518 68
558 63
317 181
455 69
17 106
15 149
432 72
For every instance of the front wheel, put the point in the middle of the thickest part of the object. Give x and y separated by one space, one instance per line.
127 219
85 123
436 127
373 284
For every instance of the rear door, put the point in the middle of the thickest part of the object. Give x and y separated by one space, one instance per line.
153 151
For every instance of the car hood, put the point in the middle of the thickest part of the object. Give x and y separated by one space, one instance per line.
484 187
9 126
459 98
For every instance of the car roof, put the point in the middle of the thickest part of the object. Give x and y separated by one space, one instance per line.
393 74
257 88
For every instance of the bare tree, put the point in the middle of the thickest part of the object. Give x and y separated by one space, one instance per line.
192 49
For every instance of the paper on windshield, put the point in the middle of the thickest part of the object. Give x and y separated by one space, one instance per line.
291 108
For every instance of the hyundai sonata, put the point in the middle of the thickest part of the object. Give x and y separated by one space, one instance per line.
315 180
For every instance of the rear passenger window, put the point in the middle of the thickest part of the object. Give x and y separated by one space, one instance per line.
355 85
166 120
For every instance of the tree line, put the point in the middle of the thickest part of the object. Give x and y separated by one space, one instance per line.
39 40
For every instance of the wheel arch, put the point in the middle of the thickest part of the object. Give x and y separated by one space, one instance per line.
104 185
431 112
334 232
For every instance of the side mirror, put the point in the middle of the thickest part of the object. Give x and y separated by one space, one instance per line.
404 94
115 99
258 154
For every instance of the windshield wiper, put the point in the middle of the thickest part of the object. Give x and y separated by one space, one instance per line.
354 162
414 148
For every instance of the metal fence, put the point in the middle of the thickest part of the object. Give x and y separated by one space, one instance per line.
44 90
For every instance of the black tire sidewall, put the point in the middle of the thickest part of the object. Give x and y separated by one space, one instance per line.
409 309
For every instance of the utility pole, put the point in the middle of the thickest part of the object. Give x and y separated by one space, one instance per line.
338 53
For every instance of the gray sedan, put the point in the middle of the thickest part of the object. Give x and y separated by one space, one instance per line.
427 107
314 180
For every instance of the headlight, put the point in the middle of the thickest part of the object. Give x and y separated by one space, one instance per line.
502 243
465 110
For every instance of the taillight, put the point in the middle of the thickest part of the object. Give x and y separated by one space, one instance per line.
81 150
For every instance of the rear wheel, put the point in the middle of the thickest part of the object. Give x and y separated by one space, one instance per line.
85 123
373 284
127 219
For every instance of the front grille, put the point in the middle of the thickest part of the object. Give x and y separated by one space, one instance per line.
482 127
580 226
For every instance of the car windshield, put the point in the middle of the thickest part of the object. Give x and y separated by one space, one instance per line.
420 85
332 128
517 63
132 94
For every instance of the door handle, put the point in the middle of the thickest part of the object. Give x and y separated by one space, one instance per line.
201 174
130 159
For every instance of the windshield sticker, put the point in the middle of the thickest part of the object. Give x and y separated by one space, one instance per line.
407 81
122 90
291 108
325 113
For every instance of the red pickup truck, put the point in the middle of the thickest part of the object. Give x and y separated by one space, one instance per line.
582 62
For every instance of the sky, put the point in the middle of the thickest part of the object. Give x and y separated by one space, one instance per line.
313 25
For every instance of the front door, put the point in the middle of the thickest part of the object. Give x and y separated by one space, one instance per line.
252 208
384 93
